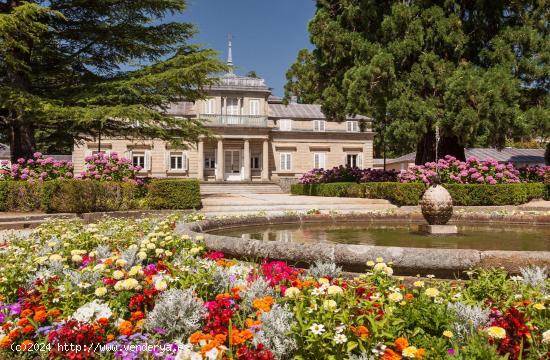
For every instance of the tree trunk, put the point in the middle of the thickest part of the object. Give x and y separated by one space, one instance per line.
22 144
449 145
425 148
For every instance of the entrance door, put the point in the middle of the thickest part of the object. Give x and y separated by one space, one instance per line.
232 165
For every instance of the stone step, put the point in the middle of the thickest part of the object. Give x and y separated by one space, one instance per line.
287 207
8 218
19 225
240 188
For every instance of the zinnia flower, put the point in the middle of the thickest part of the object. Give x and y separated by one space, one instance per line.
292 292
432 292
409 352
496 332
317 329
546 337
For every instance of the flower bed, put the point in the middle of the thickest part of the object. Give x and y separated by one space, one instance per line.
92 291
402 194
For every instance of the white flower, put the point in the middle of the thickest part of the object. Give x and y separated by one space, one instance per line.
292 292
142 255
92 311
318 291
340 338
56 257
418 283
101 291
161 285
334 289
375 296
546 337
329 305
317 329
395 296
430 276
117 275
77 259
151 246
121 262
516 278
340 329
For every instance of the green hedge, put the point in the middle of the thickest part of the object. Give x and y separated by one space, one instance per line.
19 196
410 193
174 194
82 196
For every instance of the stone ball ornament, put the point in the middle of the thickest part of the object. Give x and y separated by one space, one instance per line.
436 205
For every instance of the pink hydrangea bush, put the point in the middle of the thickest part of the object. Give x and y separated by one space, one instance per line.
347 174
37 168
472 171
110 167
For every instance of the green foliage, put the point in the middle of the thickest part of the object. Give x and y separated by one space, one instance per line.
61 76
76 196
174 194
402 194
477 71
19 196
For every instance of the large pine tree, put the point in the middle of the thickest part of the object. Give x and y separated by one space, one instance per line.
477 71
81 68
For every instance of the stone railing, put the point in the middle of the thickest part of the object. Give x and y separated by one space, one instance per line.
234 120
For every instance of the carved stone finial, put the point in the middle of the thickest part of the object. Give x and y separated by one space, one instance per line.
437 205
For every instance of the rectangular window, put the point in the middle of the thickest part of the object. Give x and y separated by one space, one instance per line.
209 106
178 161
353 126
254 107
318 125
210 161
255 162
138 160
352 160
232 106
285 124
285 161
319 160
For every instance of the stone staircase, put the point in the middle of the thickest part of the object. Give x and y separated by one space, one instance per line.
211 188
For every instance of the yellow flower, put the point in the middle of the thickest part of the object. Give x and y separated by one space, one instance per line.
117 275
539 306
121 262
496 332
55 257
395 296
77 259
409 352
448 334
101 291
329 304
379 260
334 289
418 283
160 285
292 292
432 292
324 281
370 263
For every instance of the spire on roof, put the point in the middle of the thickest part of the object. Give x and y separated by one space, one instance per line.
230 53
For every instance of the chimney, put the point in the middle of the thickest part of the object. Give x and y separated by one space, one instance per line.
294 99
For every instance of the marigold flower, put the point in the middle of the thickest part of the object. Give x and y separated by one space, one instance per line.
29 329
26 313
263 304
389 354
6 342
54 313
125 328
251 322
360 331
40 316
110 337
401 343
240 337
23 322
409 296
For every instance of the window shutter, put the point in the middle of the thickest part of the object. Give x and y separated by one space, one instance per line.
167 160
184 161
147 161
360 161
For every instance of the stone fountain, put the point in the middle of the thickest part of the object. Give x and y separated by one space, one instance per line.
437 204
437 209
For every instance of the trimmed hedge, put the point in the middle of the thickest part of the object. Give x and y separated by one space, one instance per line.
82 196
18 195
410 193
174 194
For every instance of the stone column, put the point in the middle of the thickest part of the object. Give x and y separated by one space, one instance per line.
368 161
265 160
220 161
246 159
200 167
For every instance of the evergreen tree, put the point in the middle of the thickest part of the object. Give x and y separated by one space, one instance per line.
476 71
64 71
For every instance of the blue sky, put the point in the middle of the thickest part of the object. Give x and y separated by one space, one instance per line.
266 34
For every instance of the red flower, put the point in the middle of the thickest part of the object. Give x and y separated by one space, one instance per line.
517 332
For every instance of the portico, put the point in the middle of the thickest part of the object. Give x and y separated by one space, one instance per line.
237 158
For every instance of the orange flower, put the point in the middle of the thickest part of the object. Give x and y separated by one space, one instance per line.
7 326
103 321
26 313
217 341
23 322
239 337
235 292
409 296
401 343
137 315
360 331
389 354
125 328
250 322
6 342
420 353
110 337
224 296
29 329
198 336
14 334
108 262
139 325
27 345
263 304
54 313
40 316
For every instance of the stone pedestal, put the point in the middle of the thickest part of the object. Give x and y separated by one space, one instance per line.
438 229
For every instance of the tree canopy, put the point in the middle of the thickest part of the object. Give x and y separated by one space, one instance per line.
77 68
475 71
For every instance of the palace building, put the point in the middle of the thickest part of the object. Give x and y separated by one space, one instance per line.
256 138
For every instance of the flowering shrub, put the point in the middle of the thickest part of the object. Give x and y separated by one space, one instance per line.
129 289
472 171
110 167
36 168
347 174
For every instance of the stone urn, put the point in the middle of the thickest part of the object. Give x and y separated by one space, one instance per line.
437 205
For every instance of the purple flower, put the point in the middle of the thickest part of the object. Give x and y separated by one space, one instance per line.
15 308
